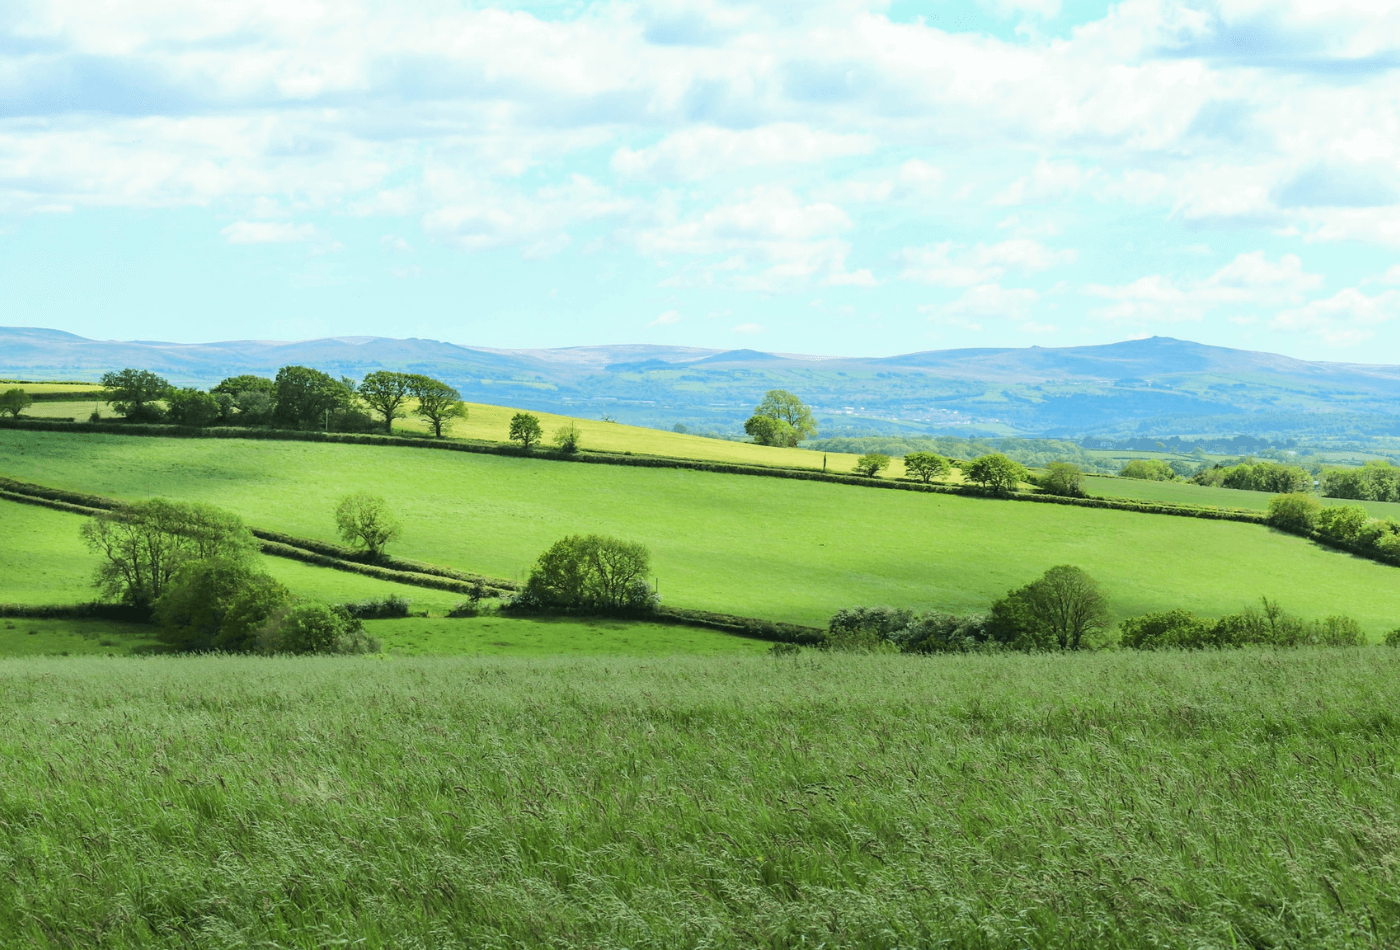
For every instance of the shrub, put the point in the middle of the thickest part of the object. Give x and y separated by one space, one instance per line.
310 627
1392 639
217 604
567 438
1064 609
15 401
192 407
1170 629
871 464
593 572
1295 512
1337 631
1062 478
944 633
882 622
1342 522
1152 470
784 649
382 608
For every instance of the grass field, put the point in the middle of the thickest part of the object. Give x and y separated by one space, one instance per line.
24 636
1185 493
553 636
1243 799
772 548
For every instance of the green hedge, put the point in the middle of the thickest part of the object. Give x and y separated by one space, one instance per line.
93 611
77 395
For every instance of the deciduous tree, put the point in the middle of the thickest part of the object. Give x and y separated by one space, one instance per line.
996 472
306 397
385 393
1063 478
1064 609
218 604
525 429
926 465
871 464
15 401
134 392
590 571
783 407
364 520
438 403
193 407
769 431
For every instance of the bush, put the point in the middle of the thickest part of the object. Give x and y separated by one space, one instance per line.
871 464
784 649
568 438
944 633
1295 512
383 608
217 604
1171 629
1266 625
1392 639
995 472
1062 478
193 407
1062 610
310 627
1342 522
15 401
1152 470
591 572
857 641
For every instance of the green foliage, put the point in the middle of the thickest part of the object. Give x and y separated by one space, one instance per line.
995 472
784 407
1375 481
1392 639
192 407
1063 478
926 466
1153 470
525 429
384 392
1342 522
1266 625
567 438
142 545
217 604
871 464
591 572
1273 477
15 401
307 398
1171 629
1296 512
238 385
769 431
1065 609
1031 452
365 521
134 392
438 403
311 627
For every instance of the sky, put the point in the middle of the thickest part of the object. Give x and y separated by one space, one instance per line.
806 176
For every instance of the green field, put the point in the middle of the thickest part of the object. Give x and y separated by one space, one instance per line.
1184 493
1242 799
492 635
25 636
762 547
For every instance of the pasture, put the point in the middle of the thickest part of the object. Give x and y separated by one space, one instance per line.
1246 799
1184 493
763 547
27 636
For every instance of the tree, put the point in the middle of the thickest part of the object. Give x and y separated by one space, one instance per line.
1064 609
306 397
525 429
1153 470
593 572
15 401
310 627
769 431
365 521
568 438
193 407
926 465
238 385
132 392
385 392
995 472
784 406
143 544
218 604
871 464
1295 512
1063 478
438 402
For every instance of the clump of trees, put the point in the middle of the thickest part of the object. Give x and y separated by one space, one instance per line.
1063 478
1152 470
1275 477
15 401
594 573
1347 526
995 472
1377 480
781 419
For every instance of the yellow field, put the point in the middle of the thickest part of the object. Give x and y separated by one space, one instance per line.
33 388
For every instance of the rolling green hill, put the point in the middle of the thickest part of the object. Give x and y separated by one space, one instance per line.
771 548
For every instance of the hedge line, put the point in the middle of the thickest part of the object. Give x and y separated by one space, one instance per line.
638 461
76 395
743 626
94 611
397 564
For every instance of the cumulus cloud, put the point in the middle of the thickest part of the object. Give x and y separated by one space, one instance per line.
269 232
666 319
1250 280
1347 317
949 264
709 151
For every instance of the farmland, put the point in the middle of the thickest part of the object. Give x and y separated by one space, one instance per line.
1184 493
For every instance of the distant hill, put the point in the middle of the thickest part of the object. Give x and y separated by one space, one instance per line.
1137 387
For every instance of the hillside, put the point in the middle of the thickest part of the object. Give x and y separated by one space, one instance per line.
1144 387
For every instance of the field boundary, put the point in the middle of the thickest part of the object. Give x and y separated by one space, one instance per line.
1210 512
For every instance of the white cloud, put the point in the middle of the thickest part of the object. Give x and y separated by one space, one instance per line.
912 181
1347 317
955 265
269 232
1009 8
1391 276
1250 280
749 328
667 318
988 300
708 151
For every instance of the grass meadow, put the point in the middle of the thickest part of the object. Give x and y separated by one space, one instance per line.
771 548
26 636
1241 799
493 635
1184 493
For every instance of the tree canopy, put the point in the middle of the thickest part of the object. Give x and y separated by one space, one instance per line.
1064 609
794 420
1063 478
132 392
995 472
926 466
365 521
15 401
872 464
306 397
438 403
385 393
590 571
525 429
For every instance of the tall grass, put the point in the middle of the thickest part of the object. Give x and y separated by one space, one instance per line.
1165 800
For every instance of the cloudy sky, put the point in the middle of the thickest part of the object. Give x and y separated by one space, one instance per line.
821 176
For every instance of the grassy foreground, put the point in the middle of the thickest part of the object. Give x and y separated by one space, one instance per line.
762 547
1167 800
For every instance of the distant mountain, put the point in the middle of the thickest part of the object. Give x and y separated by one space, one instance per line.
1137 387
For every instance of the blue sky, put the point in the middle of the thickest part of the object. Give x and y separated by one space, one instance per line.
837 177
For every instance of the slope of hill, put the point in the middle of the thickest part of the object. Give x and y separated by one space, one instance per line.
1154 386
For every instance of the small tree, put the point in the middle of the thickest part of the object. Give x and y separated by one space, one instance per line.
784 406
385 392
438 403
568 438
1295 512
769 431
871 464
310 627
133 392
525 429
1152 470
15 401
926 465
1063 478
593 572
307 397
364 520
1064 609
217 604
996 472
